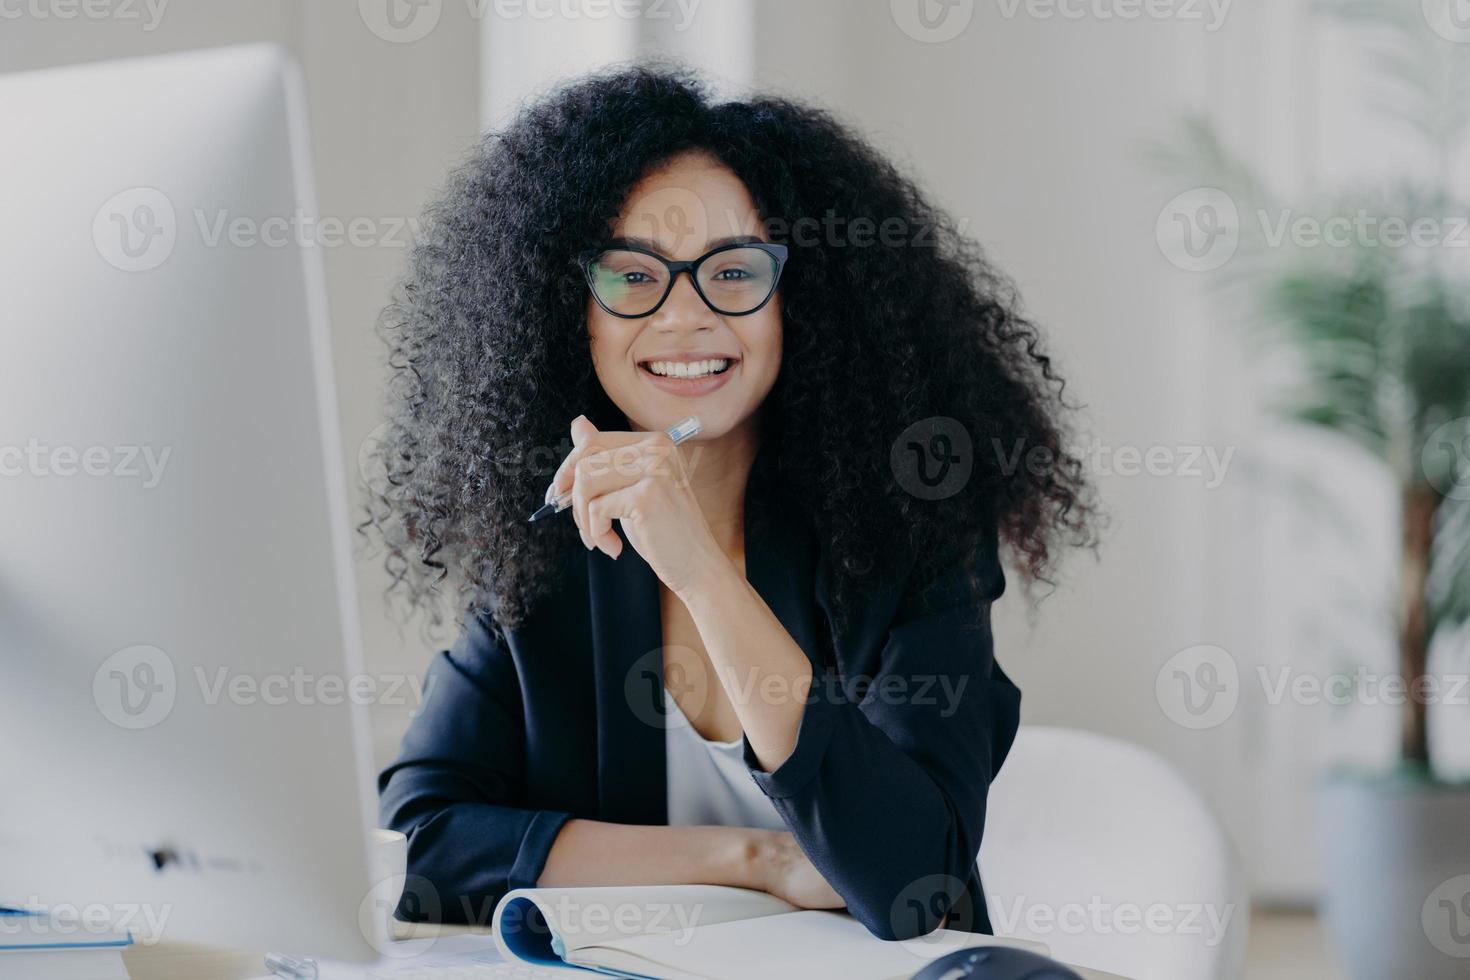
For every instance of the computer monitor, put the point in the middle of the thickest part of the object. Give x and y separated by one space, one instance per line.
178 632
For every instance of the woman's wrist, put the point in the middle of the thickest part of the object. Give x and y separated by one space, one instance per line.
749 858
591 852
715 576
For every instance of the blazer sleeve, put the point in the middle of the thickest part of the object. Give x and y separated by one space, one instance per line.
456 787
886 793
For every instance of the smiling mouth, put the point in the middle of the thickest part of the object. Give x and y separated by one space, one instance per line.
688 369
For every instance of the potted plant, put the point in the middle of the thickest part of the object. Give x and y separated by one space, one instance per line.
1376 324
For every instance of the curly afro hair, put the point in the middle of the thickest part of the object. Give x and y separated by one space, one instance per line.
891 318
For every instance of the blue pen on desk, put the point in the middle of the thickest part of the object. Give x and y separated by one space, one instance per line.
678 432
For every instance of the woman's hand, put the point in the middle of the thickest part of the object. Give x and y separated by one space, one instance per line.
784 871
639 479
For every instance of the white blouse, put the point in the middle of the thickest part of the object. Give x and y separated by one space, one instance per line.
708 782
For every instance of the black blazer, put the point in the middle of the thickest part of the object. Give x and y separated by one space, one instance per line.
885 790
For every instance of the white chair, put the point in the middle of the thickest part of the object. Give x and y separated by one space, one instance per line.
1099 849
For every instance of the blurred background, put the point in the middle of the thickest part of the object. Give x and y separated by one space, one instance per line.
1263 391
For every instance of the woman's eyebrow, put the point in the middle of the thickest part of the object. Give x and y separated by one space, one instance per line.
652 246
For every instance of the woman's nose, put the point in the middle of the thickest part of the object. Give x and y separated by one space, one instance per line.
684 309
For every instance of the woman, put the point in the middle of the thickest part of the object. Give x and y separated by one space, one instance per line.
769 662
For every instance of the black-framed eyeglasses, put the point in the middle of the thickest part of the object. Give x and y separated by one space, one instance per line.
733 280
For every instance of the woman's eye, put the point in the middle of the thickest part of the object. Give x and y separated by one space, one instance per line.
732 274
637 278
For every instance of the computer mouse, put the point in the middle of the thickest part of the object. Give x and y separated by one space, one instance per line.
995 963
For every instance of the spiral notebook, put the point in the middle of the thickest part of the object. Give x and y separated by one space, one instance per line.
708 932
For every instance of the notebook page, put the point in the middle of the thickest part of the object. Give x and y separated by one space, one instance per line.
794 946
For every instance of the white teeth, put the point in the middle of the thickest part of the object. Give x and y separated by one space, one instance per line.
688 369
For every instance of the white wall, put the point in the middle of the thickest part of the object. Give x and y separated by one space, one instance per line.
388 118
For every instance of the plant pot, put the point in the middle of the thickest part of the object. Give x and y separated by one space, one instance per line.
1397 875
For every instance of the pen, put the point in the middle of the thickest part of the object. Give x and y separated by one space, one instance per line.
290 967
679 432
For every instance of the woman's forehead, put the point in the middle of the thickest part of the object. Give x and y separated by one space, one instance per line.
686 204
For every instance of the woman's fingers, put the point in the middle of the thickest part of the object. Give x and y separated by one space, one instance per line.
602 463
611 506
582 442
598 475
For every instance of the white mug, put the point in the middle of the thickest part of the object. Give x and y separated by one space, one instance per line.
388 869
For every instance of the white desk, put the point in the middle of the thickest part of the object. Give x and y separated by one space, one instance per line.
181 961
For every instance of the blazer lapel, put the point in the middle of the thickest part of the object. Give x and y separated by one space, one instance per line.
627 644
780 564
